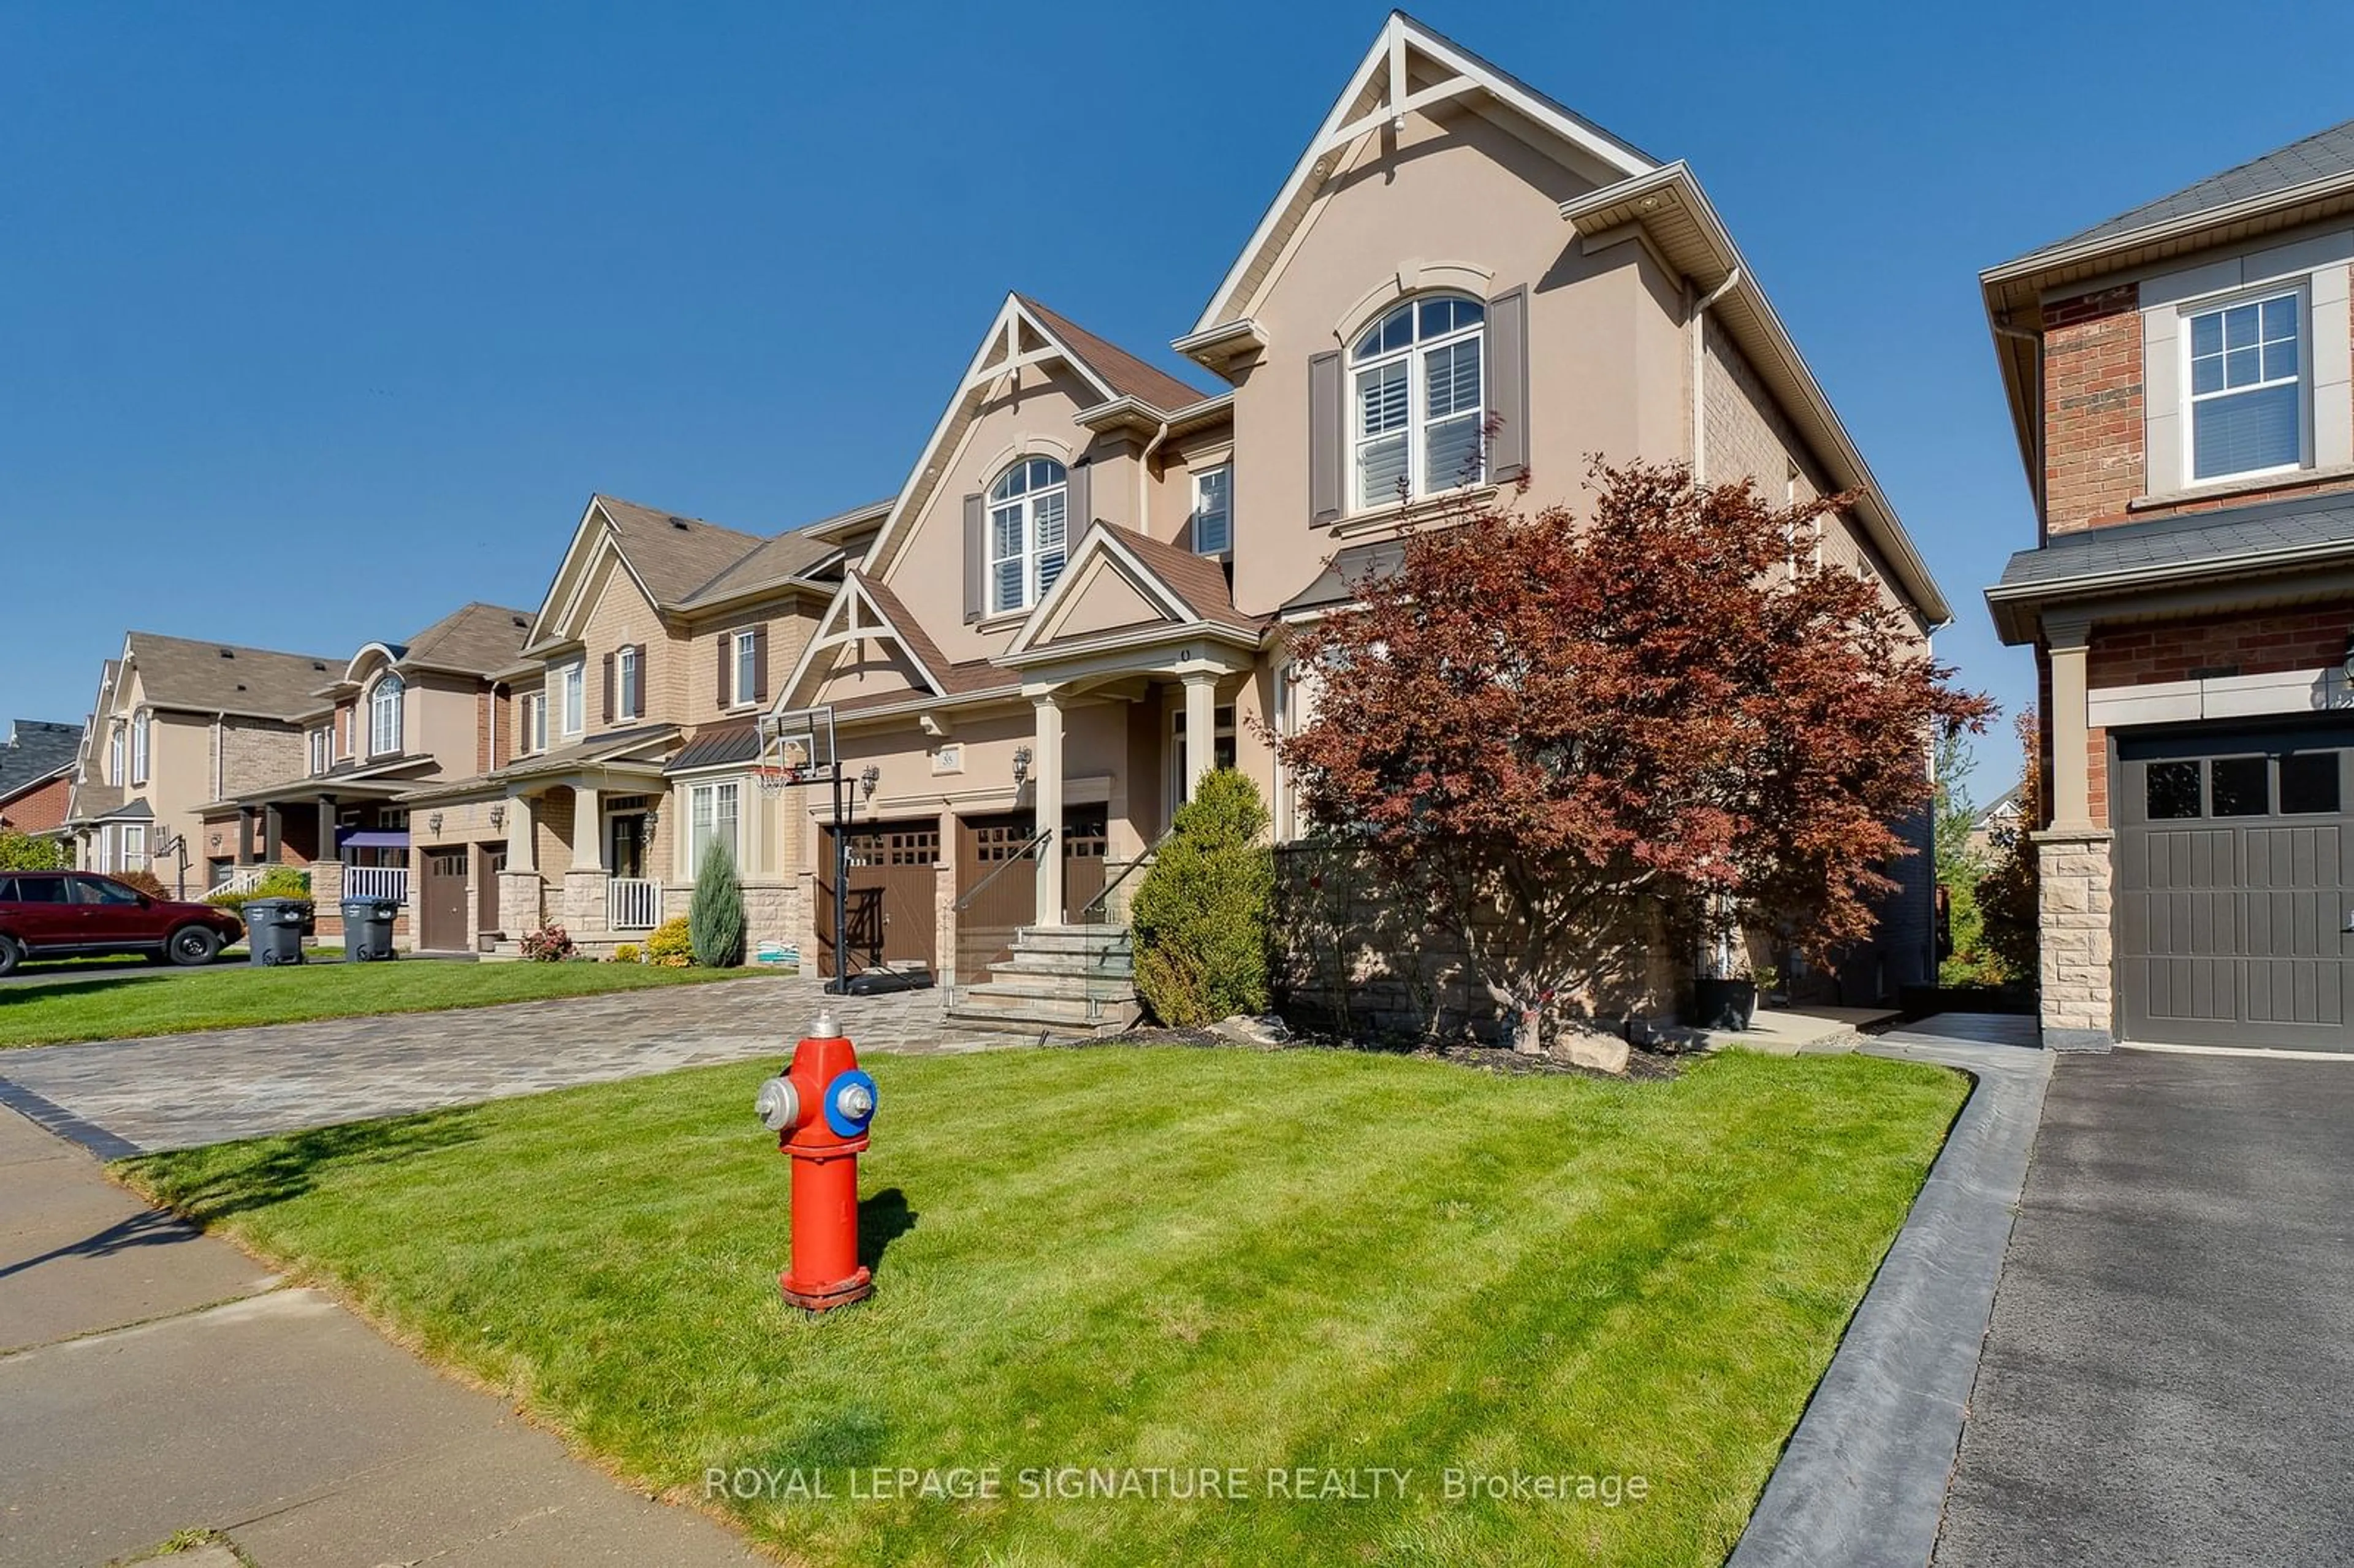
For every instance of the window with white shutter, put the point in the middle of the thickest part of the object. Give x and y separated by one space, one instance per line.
1029 526
1417 383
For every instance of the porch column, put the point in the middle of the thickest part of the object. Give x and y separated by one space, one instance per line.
1200 727
326 849
1046 774
272 824
2072 792
244 835
523 836
588 830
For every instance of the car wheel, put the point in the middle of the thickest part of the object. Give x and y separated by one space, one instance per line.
11 955
191 945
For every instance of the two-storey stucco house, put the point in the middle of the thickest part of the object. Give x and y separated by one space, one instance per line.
393 717
2181 379
622 728
1080 596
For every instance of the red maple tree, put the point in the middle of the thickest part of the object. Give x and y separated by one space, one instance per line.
1576 737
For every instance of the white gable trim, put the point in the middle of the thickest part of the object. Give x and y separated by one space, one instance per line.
843 624
1099 545
1386 64
1001 353
574 575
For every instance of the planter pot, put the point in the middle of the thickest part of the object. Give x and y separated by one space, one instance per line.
1724 1003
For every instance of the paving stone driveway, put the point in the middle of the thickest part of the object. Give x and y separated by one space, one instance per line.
179 1091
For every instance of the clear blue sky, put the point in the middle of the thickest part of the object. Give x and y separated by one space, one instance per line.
279 279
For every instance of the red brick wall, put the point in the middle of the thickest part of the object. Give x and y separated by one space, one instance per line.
38 811
2302 638
2091 409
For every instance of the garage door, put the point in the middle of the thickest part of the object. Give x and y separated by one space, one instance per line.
2235 886
890 918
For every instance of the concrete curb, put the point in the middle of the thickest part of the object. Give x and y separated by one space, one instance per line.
1863 1478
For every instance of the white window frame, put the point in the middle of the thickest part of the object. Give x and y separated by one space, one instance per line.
744 653
628 701
140 726
135 846
391 685
117 754
1038 565
703 817
1414 354
1225 472
2300 292
103 841
322 749
572 687
531 721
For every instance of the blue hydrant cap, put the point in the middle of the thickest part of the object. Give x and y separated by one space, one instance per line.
858 1090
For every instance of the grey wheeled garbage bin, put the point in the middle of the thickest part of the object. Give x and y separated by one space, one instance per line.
367 928
273 929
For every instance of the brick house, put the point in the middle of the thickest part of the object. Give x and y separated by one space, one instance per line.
37 766
2181 380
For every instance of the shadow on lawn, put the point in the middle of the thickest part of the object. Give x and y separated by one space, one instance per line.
239 1179
882 1220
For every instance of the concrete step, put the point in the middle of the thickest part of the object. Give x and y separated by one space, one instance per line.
1072 940
1031 987
1042 1033
1077 966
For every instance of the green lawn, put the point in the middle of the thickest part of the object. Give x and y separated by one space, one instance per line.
117 1006
1151 1257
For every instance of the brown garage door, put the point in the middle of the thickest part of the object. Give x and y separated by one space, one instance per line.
2234 887
986 925
441 901
893 884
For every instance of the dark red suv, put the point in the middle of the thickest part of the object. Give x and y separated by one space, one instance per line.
75 913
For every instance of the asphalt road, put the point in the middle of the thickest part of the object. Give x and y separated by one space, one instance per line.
2169 1374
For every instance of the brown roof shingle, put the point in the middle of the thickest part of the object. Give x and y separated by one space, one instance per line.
673 556
771 562
1122 371
222 677
475 638
1199 580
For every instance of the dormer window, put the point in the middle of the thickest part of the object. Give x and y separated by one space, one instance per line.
2247 386
384 717
1418 388
1028 526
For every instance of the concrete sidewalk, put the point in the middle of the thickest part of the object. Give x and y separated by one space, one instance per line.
153 1380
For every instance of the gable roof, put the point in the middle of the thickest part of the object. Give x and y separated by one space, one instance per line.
770 564
222 677
1379 90
1190 588
671 555
35 751
475 638
1127 376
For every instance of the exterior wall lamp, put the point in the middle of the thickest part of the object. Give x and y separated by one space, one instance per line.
433 823
498 817
1021 765
868 778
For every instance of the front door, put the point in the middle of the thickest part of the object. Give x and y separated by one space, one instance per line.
625 841
441 906
2234 877
494 860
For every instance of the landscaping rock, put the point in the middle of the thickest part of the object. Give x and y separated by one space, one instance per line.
1592 1048
1246 1030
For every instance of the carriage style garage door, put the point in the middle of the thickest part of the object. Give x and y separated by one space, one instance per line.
2235 886
891 917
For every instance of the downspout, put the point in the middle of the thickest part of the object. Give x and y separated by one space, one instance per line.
1696 323
1144 479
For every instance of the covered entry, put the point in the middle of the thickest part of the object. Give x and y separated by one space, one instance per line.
890 913
2235 886
990 908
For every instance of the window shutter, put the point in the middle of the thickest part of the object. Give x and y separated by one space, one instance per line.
1080 482
638 706
760 662
725 643
1508 385
609 689
1325 445
976 560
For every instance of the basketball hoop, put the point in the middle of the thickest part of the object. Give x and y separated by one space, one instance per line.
776 780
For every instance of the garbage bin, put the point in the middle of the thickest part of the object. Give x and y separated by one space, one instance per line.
273 929
367 928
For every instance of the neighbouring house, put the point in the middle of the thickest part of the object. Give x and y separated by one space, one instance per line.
1079 597
37 766
180 722
1993 830
2181 379
393 717
623 738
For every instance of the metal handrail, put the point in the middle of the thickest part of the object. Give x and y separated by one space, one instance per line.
1130 869
1004 866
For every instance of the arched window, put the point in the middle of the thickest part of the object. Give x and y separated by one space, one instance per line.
1028 525
1418 375
138 746
384 717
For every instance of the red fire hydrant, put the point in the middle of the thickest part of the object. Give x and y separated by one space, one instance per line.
820 1107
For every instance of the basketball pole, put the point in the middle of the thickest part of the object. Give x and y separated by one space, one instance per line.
840 985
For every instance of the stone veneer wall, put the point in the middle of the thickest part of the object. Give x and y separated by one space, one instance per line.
2078 974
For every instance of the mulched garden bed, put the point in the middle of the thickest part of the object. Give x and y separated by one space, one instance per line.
1649 1066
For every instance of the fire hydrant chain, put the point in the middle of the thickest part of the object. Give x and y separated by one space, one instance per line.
820 1107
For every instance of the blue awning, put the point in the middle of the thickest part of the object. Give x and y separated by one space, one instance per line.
374 839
